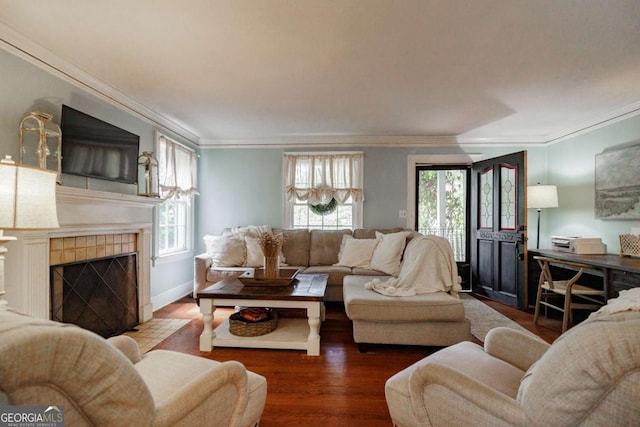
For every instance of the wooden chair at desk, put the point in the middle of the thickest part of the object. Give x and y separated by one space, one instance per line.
547 287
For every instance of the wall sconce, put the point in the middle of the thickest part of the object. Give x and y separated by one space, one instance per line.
541 197
148 165
41 143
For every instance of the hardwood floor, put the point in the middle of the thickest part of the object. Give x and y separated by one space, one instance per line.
341 387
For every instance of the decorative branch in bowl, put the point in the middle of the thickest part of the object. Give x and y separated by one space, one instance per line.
271 243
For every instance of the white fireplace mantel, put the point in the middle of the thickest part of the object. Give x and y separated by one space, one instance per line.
72 194
80 212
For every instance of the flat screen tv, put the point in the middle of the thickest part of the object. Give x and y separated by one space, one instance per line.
96 149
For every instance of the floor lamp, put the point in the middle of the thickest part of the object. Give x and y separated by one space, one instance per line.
27 202
541 197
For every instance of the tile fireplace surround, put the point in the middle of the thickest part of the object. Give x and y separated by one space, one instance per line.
92 224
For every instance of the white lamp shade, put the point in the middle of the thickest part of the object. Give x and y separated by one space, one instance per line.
542 196
27 197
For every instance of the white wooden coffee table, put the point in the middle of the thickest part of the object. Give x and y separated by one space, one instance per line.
306 292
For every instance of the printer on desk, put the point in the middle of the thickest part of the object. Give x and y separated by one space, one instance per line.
579 245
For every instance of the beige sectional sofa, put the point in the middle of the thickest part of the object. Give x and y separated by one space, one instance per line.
430 319
315 251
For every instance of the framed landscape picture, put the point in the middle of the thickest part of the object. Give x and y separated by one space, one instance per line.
618 183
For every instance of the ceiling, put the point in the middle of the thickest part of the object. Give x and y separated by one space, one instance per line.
352 72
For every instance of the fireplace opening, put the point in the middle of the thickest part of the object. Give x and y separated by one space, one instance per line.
100 295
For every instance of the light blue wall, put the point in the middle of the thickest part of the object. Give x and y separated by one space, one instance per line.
571 166
238 187
245 186
25 87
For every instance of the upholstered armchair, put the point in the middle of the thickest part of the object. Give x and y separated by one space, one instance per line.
590 376
108 383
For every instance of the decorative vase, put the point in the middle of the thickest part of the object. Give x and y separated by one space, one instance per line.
271 266
271 245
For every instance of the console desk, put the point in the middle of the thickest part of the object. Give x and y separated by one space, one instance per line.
617 273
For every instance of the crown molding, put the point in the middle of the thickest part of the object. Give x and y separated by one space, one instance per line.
597 122
328 141
332 141
19 45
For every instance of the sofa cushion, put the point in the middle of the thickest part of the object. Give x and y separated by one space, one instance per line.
325 246
226 251
364 304
388 253
356 252
336 273
367 272
296 246
370 233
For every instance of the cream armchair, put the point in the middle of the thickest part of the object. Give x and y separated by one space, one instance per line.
108 383
589 376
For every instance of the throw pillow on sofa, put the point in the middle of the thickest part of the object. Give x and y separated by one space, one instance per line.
250 234
255 256
226 251
388 253
356 252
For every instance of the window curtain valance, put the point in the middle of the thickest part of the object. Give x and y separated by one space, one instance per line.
317 178
177 169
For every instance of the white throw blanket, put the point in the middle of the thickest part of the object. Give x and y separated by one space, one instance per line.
428 266
628 300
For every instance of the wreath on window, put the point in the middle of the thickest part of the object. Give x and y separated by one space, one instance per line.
324 208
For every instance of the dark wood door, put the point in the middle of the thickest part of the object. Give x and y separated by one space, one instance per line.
498 228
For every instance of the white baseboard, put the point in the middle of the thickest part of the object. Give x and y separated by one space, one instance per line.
173 294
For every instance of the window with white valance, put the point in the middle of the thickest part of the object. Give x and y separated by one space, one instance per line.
177 168
317 178
313 179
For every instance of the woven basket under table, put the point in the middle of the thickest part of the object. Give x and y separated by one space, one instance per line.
244 328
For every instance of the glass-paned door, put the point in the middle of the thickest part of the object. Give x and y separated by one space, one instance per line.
441 208
497 229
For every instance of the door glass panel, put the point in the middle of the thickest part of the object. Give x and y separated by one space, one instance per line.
486 198
442 206
508 190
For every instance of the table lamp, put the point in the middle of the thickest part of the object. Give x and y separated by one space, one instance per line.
541 197
27 202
